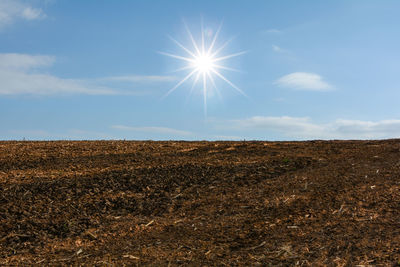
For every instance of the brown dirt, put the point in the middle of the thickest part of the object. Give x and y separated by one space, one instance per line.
200 203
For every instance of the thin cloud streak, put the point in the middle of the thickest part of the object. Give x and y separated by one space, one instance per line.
153 129
17 83
226 137
70 134
23 74
278 49
19 74
273 31
301 128
141 78
14 61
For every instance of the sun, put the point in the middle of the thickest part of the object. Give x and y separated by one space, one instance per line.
204 62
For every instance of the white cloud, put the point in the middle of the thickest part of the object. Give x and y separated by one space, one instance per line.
278 49
15 83
227 137
18 75
304 81
70 134
77 134
29 133
301 128
272 31
14 61
155 130
369 129
13 10
23 74
30 13
286 125
141 78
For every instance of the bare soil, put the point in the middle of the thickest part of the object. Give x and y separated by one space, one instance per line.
115 203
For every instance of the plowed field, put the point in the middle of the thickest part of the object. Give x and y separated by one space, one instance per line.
114 203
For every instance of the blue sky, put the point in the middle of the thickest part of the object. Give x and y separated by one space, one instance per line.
92 70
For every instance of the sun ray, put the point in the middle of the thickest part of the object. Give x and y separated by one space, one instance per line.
180 83
214 85
192 87
182 69
225 68
229 56
191 38
195 82
216 52
202 36
181 46
229 82
176 56
205 93
214 39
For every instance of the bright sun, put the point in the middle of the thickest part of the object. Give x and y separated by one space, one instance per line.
204 63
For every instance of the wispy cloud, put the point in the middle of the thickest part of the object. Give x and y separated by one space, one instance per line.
301 128
141 78
19 74
13 61
369 129
70 134
273 31
14 10
24 74
304 81
278 49
16 83
29 134
226 137
78 134
153 130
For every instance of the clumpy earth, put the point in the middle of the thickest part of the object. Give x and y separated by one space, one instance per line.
115 203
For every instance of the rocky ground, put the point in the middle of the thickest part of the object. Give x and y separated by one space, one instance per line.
115 203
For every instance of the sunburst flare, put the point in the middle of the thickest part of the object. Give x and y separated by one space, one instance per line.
204 63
